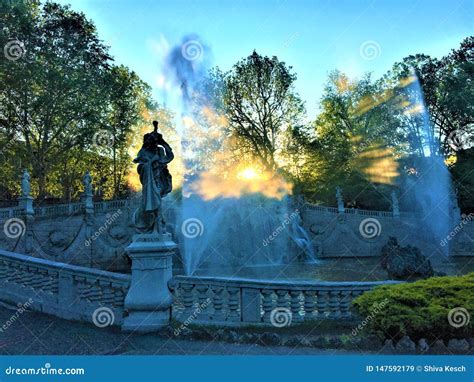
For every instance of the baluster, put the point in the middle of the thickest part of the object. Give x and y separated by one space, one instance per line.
188 298
295 305
118 297
345 303
218 303
334 304
202 299
309 304
321 303
233 304
107 295
281 298
267 304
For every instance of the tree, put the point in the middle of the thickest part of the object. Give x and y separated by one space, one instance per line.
259 102
356 143
127 94
48 103
447 92
63 105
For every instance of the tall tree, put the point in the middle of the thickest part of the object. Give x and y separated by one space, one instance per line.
64 106
48 102
448 94
127 95
356 141
260 101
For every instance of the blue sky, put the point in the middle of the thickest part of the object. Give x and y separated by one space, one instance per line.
313 37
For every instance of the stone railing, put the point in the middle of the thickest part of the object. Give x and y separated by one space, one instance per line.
63 290
235 301
66 209
113 205
357 211
10 212
58 210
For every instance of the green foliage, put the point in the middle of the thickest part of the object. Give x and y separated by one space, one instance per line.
58 96
65 90
353 134
419 309
463 178
260 102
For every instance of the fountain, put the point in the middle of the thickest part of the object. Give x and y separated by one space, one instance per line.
431 183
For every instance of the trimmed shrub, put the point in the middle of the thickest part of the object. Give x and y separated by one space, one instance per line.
435 308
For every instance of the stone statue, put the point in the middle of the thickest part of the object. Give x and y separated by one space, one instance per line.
156 181
87 182
25 183
301 238
340 200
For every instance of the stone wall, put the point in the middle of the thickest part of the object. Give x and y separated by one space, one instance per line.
91 295
63 290
364 233
98 237
66 233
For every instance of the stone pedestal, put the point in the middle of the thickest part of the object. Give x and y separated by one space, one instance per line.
149 300
26 203
86 199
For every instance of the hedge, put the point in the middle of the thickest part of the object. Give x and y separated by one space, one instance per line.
421 309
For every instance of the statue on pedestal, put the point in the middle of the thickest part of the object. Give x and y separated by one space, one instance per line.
87 182
340 200
87 195
25 183
156 181
149 300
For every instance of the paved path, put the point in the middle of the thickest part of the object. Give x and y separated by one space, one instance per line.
36 334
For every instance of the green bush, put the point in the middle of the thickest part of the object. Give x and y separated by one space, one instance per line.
420 309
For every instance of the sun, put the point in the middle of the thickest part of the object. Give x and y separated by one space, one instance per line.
248 173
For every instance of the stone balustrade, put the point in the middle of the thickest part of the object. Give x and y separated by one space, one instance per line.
10 212
58 210
237 301
113 205
357 211
63 290
67 209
